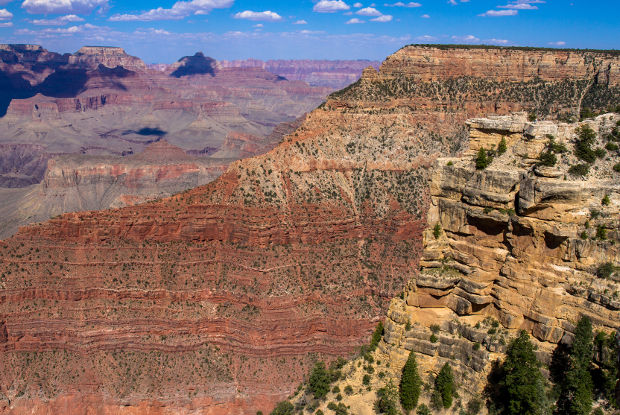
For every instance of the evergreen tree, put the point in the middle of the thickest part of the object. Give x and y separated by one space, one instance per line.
482 161
410 384
576 385
444 385
319 381
376 336
522 381
283 408
502 147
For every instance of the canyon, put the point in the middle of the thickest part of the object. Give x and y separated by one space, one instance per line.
219 299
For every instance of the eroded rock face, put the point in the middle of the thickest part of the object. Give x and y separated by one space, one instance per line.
111 57
334 74
234 286
516 247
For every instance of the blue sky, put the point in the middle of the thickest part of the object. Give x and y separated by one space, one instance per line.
165 30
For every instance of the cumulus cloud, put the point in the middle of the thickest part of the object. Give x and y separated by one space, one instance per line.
357 5
301 22
59 21
330 6
368 11
425 16
5 14
383 18
62 6
355 20
401 4
558 43
498 13
179 10
267 16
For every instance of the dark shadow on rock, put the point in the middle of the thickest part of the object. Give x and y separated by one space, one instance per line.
198 64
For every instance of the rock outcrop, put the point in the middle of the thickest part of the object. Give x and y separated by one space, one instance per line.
514 246
226 293
111 57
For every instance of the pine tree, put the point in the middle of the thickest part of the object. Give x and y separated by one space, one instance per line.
410 384
376 336
482 160
522 381
502 147
444 384
576 386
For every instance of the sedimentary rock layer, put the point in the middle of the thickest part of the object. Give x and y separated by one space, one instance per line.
292 253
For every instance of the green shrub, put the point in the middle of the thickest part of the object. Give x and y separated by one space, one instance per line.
605 270
433 338
423 410
605 201
386 400
584 235
410 384
611 146
501 147
474 406
366 380
531 117
319 381
435 328
558 148
348 390
579 170
450 163
283 408
617 167
601 233
600 153
437 230
547 158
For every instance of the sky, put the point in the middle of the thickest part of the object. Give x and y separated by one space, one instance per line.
162 31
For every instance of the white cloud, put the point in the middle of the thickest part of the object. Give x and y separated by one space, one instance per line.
357 5
455 2
426 16
466 39
179 10
301 22
522 5
59 21
401 4
6 24
498 13
558 43
426 38
497 41
330 6
382 19
5 14
267 16
62 6
355 20
368 11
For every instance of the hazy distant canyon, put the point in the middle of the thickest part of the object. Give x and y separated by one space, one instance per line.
73 126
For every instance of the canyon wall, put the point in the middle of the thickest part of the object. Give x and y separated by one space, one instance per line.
219 299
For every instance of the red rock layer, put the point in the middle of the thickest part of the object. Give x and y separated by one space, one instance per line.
222 296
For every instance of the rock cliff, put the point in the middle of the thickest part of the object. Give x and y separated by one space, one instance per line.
515 246
225 294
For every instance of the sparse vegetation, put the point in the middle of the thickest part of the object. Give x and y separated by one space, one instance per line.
437 231
482 159
502 147
444 385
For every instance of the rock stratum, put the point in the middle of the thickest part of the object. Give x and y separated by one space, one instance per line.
334 74
217 300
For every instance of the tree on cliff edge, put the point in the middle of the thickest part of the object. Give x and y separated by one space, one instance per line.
410 384
576 386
